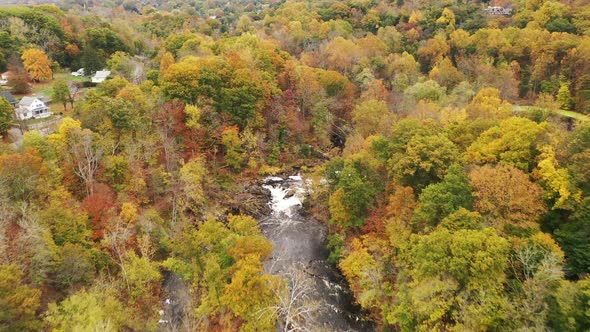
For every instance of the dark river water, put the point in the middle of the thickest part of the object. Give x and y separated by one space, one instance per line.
319 299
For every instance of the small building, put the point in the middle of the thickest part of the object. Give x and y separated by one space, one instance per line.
31 108
498 11
100 76
4 79
80 72
9 97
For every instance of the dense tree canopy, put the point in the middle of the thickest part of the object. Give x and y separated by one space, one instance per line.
447 150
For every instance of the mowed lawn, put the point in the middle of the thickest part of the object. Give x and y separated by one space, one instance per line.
575 115
46 88
569 114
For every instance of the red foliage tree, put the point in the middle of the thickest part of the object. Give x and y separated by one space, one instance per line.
100 207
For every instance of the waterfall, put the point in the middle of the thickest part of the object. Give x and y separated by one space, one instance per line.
287 196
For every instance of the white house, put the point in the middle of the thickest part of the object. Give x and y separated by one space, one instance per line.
100 76
31 107
79 72
498 11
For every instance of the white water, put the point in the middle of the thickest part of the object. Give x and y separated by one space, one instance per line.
281 205
286 201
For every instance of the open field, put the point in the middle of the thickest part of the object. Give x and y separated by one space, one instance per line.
46 88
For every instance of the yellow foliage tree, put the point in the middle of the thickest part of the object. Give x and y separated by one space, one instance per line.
166 61
512 142
361 271
193 116
460 39
447 18
415 17
129 213
60 138
192 176
488 104
249 293
338 211
557 181
37 64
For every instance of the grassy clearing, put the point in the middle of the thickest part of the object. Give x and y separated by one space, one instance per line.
568 114
574 115
46 88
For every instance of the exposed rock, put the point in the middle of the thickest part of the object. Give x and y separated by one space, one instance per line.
273 180
290 193
252 200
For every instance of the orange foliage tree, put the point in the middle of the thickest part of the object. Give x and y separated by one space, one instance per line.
37 64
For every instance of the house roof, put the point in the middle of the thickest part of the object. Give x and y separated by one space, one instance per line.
8 96
102 74
27 101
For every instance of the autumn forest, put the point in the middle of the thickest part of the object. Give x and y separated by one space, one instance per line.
439 150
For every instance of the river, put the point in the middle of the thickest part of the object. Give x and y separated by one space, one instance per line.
319 299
